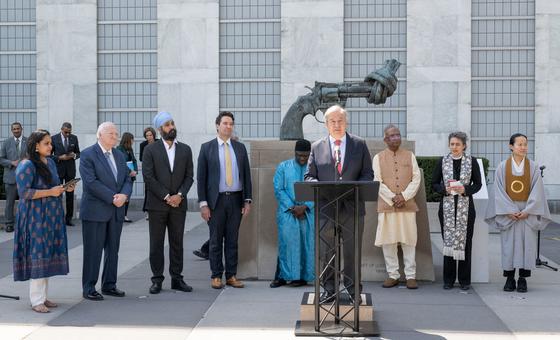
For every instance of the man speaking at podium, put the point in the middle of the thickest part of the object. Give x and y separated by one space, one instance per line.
340 157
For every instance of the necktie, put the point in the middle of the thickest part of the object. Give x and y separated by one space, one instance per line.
17 146
229 174
337 157
111 165
65 143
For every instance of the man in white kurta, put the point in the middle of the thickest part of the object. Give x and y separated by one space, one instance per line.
397 171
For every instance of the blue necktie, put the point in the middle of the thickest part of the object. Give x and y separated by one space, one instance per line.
111 165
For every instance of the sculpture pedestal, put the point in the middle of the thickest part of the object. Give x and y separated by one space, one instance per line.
258 235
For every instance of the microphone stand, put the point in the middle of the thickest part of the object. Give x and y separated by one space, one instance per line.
540 262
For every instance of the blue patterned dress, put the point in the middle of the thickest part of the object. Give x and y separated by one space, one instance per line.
40 244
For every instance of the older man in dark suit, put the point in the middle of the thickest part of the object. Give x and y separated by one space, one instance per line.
168 174
340 156
11 152
224 195
65 152
107 187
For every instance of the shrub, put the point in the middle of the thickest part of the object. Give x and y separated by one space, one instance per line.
428 163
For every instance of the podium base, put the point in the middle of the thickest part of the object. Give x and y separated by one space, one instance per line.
329 328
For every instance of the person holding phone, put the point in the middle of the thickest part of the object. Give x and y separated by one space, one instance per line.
66 150
40 242
457 178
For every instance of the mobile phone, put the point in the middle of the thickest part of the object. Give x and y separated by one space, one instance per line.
71 182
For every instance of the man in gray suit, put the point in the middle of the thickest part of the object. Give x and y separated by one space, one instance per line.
345 157
11 152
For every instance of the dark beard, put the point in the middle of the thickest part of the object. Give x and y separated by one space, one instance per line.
169 136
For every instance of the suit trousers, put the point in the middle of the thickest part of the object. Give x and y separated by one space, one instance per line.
11 195
346 219
100 238
224 232
173 221
69 199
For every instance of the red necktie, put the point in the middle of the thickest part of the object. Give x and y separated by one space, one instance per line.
337 156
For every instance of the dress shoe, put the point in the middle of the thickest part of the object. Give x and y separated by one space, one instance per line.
201 254
127 220
181 285
390 282
327 297
113 292
93 296
69 223
155 288
9 228
411 284
522 285
234 282
298 283
278 283
216 283
465 286
447 286
510 285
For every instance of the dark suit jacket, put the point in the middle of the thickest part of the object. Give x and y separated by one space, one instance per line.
99 185
65 169
356 166
8 153
208 172
159 179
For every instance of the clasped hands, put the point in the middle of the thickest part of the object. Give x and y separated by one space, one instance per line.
298 211
398 201
174 200
518 216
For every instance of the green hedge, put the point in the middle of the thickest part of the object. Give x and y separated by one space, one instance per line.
428 164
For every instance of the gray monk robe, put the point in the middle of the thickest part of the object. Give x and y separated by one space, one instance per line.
519 238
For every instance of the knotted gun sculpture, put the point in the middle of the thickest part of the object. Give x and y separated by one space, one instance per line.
376 88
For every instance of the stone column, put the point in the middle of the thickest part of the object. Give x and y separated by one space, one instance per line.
67 66
188 66
438 72
547 88
312 49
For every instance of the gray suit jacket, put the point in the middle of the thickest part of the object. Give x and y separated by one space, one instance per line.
8 153
357 165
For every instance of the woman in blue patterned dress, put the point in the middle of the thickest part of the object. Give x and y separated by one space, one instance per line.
40 245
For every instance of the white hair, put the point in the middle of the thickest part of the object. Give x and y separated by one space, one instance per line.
103 127
336 108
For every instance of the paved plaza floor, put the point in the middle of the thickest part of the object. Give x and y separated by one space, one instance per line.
259 312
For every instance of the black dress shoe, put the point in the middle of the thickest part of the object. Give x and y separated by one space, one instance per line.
278 283
181 285
113 292
93 296
9 228
447 286
69 223
155 288
201 254
298 283
465 286
522 285
510 284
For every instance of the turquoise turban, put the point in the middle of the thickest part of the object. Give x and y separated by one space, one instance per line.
161 118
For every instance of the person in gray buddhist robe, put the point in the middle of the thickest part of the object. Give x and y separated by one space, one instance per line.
518 208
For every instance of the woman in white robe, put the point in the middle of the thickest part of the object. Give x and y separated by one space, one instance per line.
518 210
